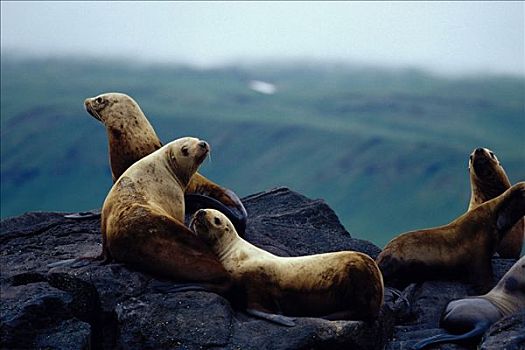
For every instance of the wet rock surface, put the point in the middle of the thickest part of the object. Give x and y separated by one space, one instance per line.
508 333
427 301
112 306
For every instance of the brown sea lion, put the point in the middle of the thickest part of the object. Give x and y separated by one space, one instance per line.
131 137
488 180
143 217
460 250
338 286
470 318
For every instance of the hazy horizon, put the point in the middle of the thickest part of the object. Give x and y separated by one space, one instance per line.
452 38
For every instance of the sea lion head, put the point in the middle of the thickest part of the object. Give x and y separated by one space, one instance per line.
212 226
483 163
488 178
111 108
185 155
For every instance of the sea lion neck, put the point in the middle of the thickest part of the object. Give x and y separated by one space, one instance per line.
226 245
128 144
483 190
181 174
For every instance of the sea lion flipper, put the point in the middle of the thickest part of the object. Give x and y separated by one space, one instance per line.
237 214
200 185
512 210
278 319
84 215
394 296
449 338
170 287
74 263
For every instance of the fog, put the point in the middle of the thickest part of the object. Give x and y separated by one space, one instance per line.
450 37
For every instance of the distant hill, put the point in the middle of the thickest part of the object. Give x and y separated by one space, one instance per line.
387 149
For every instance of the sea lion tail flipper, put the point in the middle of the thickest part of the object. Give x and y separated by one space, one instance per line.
449 338
397 300
395 294
74 263
84 215
237 214
278 319
82 261
170 287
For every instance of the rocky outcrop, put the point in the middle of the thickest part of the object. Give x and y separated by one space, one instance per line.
427 300
112 306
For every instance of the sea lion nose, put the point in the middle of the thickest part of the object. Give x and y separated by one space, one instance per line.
200 214
204 145
479 151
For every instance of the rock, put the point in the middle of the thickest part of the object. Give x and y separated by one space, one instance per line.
289 224
428 301
112 306
37 315
185 320
68 335
313 333
506 334
31 241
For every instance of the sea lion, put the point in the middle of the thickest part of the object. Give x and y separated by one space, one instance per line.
488 180
143 217
470 318
338 286
460 250
131 137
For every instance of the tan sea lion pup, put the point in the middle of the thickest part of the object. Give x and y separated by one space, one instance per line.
131 137
459 250
474 315
488 180
344 285
143 217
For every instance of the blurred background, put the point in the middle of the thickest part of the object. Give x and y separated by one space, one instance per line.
372 106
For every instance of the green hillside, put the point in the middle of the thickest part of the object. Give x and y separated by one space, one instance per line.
387 149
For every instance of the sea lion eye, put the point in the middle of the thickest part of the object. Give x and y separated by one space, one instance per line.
492 155
99 100
185 151
470 158
217 221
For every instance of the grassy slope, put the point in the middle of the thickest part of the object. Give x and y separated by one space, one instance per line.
386 149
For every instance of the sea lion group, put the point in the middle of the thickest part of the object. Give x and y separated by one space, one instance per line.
143 225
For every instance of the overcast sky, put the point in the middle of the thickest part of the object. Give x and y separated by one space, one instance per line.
443 36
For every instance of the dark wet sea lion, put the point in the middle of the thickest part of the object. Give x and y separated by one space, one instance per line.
487 181
460 250
468 319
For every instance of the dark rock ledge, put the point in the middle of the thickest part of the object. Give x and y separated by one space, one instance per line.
112 306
